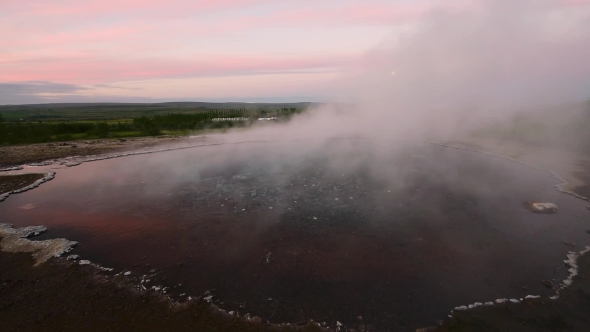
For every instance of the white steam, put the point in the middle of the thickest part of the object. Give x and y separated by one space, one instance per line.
456 68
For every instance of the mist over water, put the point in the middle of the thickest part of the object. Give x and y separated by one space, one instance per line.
398 238
362 216
462 66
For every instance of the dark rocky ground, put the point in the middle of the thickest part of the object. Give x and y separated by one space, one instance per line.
65 296
570 312
13 182
32 153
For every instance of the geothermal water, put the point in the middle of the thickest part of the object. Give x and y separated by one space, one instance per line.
336 231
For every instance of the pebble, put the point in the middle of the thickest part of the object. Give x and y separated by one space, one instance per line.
84 262
127 273
569 244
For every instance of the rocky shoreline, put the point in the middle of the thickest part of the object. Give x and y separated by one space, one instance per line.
15 242
66 295
563 186
567 310
12 157
47 176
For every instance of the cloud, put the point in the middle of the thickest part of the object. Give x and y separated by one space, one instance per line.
92 71
39 87
113 86
109 42
35 91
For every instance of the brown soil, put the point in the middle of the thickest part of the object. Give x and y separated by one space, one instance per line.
14 182
21 154
64 296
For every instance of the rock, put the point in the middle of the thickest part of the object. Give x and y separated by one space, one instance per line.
127 273
15 240
569 244
73 257
547 283
269 257
545 208
22 232
27 207
84 262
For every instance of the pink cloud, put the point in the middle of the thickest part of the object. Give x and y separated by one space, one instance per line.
89 71
78 7
575 3
88 36
61 30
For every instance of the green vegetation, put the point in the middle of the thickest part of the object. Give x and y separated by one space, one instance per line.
63 123
111 111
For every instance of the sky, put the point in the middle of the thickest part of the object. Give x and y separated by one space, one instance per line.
204 50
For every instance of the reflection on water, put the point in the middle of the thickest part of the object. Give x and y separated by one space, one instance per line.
399 239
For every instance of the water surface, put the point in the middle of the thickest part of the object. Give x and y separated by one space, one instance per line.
398 239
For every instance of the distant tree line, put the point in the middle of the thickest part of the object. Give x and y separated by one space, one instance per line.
39 132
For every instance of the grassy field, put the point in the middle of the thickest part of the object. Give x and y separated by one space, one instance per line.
26 124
